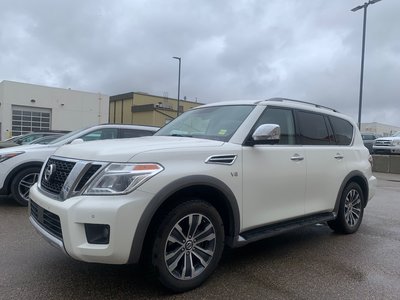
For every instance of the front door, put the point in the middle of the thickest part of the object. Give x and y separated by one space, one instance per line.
274 175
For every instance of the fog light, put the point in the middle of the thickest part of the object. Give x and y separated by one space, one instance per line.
97 233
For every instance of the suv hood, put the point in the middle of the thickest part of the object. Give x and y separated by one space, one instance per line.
123 150
23 148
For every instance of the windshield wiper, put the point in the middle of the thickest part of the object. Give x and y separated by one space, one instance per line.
181 135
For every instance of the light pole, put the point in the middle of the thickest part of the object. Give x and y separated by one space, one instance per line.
179 82
365 6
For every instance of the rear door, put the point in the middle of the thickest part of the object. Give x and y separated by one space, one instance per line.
326 160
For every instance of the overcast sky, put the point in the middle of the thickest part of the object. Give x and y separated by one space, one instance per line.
234 49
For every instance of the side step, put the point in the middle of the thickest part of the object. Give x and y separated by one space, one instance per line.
278 228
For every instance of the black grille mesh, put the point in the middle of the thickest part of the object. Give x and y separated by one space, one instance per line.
48 220
57 180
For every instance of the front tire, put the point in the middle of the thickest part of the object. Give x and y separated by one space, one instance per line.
351 210
188 245
21 184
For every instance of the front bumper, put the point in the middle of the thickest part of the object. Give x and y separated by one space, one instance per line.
121 213
386 149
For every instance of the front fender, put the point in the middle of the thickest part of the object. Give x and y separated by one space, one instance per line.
171 189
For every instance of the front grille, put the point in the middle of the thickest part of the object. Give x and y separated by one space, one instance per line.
383 143
49 221
67 178
56 181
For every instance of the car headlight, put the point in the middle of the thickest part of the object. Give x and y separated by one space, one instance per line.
9 155
396 143
122 178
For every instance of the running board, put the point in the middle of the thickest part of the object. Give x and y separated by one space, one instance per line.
278 228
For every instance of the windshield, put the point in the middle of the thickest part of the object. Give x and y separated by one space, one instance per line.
397 133
215 122
65 136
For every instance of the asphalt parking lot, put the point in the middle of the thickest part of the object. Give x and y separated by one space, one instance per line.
310 263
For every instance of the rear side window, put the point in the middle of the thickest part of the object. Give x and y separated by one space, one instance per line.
343 130
313 129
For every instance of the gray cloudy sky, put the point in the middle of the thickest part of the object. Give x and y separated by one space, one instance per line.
237 49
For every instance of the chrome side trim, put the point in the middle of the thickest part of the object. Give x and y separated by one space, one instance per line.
47 236
224 159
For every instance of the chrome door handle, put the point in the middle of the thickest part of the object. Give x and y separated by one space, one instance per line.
339 156
297 157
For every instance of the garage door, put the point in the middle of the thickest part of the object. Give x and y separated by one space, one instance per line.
26 119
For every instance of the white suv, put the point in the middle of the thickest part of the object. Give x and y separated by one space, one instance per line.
20 165
223 174
387 145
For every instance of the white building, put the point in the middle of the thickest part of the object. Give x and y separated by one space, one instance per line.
27 107
379 128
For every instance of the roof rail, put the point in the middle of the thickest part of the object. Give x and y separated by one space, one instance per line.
302 102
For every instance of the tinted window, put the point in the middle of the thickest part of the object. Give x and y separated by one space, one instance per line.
343 130
368 137
283 118
313 130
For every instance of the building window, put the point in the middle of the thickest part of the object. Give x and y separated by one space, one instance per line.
27 119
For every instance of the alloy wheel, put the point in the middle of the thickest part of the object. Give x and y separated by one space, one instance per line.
26 183
352 207
190 246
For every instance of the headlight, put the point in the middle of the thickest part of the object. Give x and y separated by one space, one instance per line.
6 156
120 178
396 143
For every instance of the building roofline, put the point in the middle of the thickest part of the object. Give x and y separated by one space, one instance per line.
131 95
51 87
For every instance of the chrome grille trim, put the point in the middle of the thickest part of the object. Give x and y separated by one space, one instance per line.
383 143
76 180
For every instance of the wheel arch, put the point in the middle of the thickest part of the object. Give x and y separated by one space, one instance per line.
360 179
16 170
198 186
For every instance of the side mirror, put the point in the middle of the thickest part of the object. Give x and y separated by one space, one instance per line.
77 141
267 134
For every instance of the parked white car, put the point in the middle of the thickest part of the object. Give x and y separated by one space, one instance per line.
223 174
20 165
387 145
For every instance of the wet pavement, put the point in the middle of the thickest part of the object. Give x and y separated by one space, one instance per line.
310 263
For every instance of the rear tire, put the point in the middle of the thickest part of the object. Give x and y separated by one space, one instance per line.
188 245
21 184
351 210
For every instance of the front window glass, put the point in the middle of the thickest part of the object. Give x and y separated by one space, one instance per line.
283 118
215 122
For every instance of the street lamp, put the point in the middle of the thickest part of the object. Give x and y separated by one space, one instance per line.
179 82
365 6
